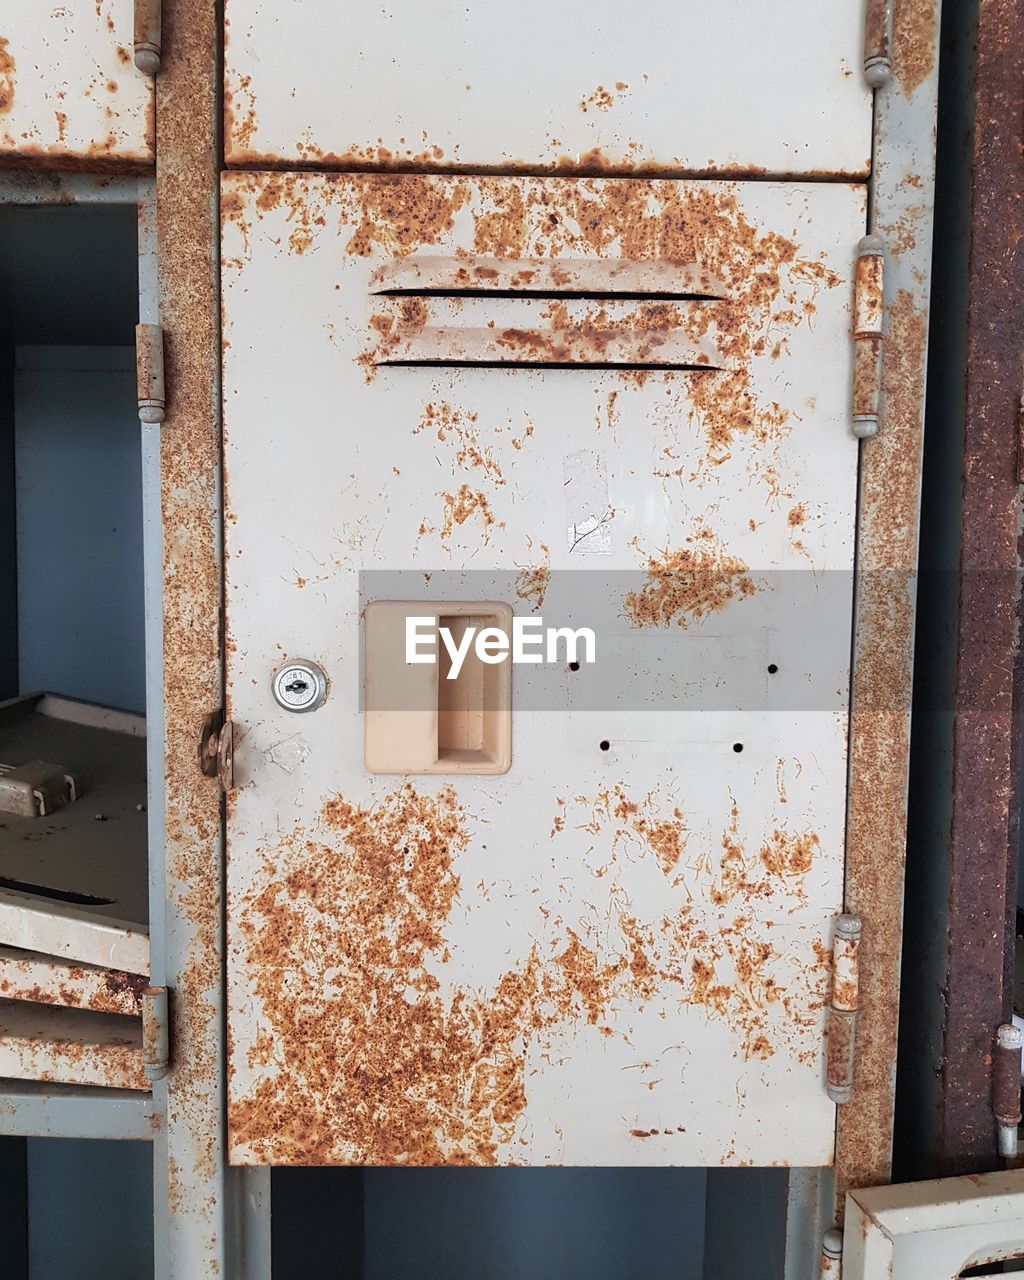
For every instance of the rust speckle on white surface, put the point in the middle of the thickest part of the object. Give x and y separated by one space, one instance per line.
349 942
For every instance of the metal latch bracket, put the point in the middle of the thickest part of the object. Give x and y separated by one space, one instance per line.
217 749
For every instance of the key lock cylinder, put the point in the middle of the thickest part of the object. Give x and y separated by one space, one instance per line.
300 685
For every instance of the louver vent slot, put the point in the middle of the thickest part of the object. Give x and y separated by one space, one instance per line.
546 278
545 314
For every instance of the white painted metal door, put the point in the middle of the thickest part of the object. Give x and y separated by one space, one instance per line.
612 401
725 86
69 90
937 1230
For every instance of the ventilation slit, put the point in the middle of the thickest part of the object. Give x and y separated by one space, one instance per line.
544 313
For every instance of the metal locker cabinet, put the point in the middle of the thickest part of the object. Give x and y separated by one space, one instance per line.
279 931
71 95
618 951
692 88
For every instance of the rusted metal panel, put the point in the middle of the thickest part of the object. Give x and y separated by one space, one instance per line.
587 85
887 547
55 928
620 950
27 975
70 1046
190 1183
70 94
983 837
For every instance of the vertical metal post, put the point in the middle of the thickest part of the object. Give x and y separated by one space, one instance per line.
887 546
983 832
211 1220
193 1238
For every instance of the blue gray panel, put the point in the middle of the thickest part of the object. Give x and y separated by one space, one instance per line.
79 519
90 1209
520 1224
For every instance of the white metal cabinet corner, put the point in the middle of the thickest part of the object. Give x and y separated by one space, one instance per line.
70 94
935 1230
722 87
618 951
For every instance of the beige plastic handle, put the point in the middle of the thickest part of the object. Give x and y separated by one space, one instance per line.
415 718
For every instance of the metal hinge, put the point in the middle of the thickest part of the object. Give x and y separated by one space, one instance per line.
878 43
868 311
842 1022
156 1033
149 372
832 1254
147 36
1006 1063
217 749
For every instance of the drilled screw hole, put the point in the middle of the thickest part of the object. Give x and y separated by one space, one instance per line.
772 668
604 744
574 666
737 746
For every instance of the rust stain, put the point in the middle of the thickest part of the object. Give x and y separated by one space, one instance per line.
688 585
599 100
7 70
400 213
464 505
407 317
239 113
532 581
502 232
62 125
788 855
73 987
372 1061
459 428
913 43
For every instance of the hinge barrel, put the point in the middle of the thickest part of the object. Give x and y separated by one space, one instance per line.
831 1254
147 36
877 43
1006 1062
868 312
842 1023
156 1033
149 372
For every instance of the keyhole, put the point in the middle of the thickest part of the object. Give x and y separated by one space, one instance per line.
297 687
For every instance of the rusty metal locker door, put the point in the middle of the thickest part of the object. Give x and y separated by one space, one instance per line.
70 94
498 389
694 87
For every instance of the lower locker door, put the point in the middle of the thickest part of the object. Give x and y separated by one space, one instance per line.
614 404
